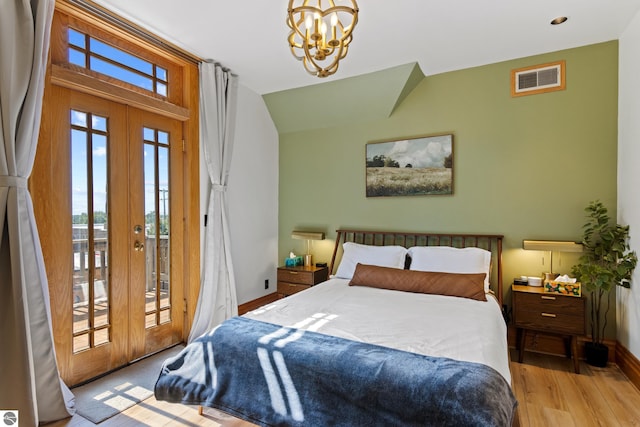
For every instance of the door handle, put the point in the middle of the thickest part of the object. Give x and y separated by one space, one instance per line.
138 247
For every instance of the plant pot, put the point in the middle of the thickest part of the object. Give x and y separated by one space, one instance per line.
596 354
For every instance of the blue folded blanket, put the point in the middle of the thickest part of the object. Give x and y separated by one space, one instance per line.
278 376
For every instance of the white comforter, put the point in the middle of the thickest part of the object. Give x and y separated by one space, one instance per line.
457 328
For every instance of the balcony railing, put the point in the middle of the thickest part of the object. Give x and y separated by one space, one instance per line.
81 276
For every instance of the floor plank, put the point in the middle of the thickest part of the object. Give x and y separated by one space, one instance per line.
549 394
151 412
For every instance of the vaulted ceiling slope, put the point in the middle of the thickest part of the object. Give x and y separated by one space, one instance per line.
249 36
371 96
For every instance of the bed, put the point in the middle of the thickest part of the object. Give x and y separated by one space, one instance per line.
408 330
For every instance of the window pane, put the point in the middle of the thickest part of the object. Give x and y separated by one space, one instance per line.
149 135
157 226
76 38
164 207
151 228
165 316
78 118
120 56
80 208
89 154
77 58
117 63
161 89
80 343
100 237
80 235
101 336
163 137
161 73
121 73
99 123
101 306
150 320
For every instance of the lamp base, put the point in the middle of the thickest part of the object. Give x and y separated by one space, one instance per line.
307 260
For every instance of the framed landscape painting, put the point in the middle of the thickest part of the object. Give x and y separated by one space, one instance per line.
410 167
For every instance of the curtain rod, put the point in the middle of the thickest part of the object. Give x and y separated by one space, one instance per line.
133 29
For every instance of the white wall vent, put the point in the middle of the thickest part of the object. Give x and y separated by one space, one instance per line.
538 79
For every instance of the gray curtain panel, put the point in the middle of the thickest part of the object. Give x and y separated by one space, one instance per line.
218 106
30 378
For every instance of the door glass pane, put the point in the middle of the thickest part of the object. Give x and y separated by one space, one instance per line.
100 278
157 227
89 146
163 181
151 220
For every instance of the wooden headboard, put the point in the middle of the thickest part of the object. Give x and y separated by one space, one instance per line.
490 242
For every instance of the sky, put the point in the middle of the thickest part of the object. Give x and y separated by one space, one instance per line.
99 142
419 152
99 153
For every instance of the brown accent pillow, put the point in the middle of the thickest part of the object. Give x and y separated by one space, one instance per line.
426 282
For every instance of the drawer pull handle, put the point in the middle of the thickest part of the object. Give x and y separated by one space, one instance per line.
546 297
548 315
293 272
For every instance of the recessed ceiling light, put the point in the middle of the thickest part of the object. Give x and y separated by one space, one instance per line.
559 20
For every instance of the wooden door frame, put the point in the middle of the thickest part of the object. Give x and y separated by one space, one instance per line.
45 190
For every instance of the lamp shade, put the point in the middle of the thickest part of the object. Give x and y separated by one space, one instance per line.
551 245
307 235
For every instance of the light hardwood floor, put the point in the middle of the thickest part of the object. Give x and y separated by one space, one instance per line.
548 392
151 412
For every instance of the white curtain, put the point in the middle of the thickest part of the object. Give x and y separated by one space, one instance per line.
218 104
29 377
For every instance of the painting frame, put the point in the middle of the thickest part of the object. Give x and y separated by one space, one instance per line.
410 166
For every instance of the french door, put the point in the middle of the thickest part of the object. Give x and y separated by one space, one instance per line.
115 258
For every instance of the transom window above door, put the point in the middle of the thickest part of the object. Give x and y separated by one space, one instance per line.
93 54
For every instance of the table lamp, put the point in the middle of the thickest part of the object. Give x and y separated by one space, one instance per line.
551 246
308 236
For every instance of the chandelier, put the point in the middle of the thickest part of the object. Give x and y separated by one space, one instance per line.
320 36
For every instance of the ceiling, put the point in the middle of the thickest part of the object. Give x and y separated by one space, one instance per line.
249 36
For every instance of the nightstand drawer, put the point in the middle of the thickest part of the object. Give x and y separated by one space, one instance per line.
296 279
303 277
553 313
551 303
551 321
285 288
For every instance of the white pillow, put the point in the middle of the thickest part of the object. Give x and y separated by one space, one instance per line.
383 256
446 259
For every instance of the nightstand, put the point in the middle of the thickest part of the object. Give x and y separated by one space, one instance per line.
296 279
536 310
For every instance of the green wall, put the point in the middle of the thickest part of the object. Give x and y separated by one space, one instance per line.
524 167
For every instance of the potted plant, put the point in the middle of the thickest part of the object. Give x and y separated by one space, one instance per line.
606 261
